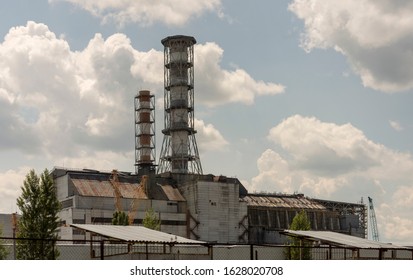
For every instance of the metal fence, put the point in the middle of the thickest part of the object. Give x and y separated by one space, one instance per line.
116 250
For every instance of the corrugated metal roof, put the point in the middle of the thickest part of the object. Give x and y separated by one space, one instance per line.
172 193
86 187
296 202
133 233
340 239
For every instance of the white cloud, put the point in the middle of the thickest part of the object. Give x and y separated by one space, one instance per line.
99 160
208 137
173 12
57 99
403 197
325 147
332 161
398 222
216 86
66 101
396 125
278 174
10 182
375 36
274 174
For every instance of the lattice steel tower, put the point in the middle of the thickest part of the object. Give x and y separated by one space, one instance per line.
179 153
372 216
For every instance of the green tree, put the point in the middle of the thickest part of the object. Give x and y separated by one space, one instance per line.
39 221
299 249
3 250
120 218
151 220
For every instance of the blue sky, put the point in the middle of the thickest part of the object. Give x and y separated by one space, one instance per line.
304 96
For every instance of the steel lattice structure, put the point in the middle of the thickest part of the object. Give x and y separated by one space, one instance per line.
373 226
179 153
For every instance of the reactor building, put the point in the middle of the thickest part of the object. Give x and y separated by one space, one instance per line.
187 202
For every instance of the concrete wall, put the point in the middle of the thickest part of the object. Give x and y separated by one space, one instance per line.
62 187
99 210
218 210
6 225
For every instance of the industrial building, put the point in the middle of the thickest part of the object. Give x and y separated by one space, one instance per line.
268 215
89 197
188 203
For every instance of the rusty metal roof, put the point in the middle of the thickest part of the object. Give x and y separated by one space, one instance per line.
172 193
282 201
88 187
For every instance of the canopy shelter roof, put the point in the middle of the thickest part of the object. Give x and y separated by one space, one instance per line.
339 239
134 234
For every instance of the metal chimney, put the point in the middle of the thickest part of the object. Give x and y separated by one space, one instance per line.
144 132
179 152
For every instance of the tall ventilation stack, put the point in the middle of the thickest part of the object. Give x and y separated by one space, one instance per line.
179 153
144 133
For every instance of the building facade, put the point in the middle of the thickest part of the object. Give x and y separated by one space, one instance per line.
200 207
89 197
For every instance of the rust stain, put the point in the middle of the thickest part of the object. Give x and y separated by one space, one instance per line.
87 187
282 202
172 193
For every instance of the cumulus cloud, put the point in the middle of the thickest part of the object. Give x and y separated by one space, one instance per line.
325 148
279 174
214 85
331 161
58 101
75 108
208 137
217 86
174 12
375 36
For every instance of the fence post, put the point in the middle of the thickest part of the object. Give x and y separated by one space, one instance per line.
329 252
381 254
54 248
102 250
251 252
